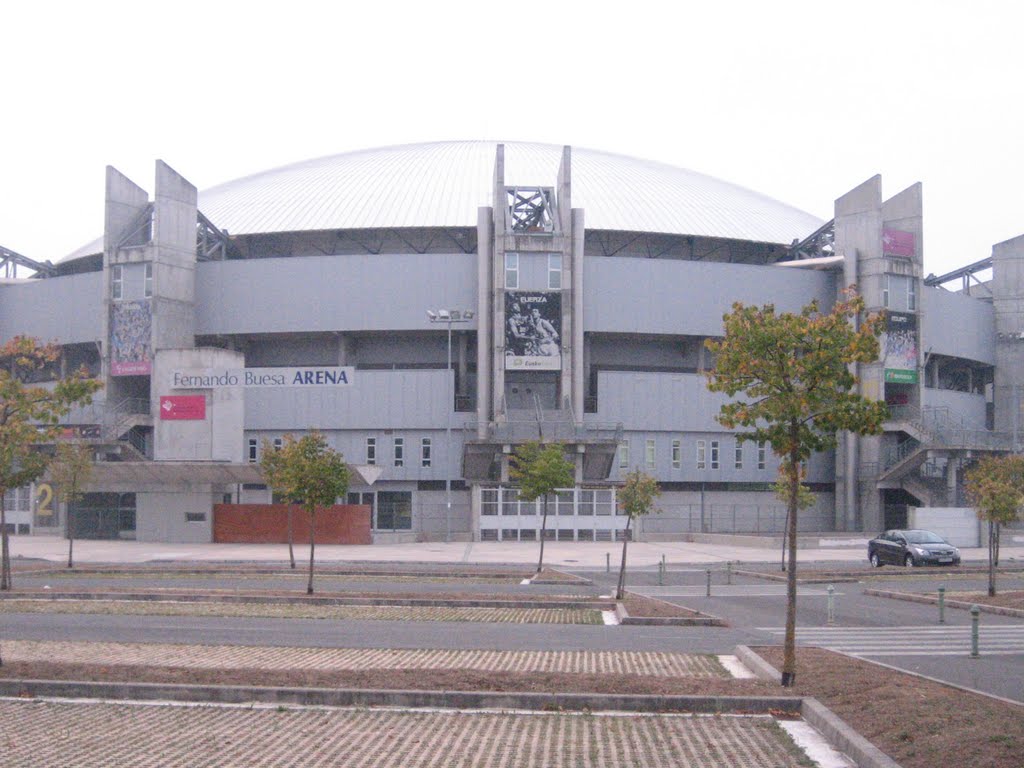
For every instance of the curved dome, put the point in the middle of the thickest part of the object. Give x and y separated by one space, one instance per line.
442 184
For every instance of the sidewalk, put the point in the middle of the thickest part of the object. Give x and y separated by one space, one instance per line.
558 554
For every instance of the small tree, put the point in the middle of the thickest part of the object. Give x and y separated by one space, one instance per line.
71 471
794 370
273 469
310 473
29 414
540 470
636 499
995 486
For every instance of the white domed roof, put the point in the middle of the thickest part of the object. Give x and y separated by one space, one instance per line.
442 184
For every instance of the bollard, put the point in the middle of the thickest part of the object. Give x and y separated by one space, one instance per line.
942 605
728 572
975 613
661 574
831 604
709 583
607 562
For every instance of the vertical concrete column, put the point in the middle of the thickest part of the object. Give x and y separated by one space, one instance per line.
578 357
496 285
1007 301
484 319
462 344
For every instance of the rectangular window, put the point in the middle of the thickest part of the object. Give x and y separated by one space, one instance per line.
738 455
702 460
911 294
649 454
512 270
714 454
554 271
425 452
623 455
762 456
278 443
399 452
677 454
117 282
253 450
885 291
147 290
371 450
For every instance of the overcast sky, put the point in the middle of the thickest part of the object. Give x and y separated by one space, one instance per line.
798 100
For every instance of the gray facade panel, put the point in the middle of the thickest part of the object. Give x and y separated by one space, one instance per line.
658 401
417 399
967 406
663 296
64 309
331 293
959 326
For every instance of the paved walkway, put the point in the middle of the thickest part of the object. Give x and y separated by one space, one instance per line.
559 554
647 663
168 736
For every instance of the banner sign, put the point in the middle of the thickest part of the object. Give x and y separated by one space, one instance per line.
130 351
901 348
897 243
533 331
307 376
183 407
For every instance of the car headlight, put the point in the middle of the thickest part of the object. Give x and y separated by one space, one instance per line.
920 551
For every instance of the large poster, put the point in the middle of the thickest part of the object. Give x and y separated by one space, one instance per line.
533 330
901 348
131 353
897 243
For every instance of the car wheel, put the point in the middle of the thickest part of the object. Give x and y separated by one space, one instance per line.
910 562
875 562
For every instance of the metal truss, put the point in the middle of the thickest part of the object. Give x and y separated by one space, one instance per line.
819 244
211 243
11 260
964 274
532 209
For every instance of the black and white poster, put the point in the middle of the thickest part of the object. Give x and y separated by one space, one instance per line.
533 331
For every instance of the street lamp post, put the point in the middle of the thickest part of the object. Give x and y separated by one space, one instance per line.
448 317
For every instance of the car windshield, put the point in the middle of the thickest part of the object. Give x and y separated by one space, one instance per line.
923 537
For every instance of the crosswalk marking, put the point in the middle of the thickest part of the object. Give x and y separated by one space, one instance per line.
1005 639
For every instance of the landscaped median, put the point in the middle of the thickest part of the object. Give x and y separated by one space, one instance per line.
1005 603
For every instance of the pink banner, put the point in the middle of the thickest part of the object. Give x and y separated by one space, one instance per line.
897 243
182 407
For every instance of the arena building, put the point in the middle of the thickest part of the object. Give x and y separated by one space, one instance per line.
429 307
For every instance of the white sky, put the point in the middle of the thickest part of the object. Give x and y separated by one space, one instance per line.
798 100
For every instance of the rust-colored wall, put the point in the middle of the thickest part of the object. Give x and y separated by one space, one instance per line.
268 524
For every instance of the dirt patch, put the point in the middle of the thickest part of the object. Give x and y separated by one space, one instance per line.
396 679
1009 599
918 723
638 606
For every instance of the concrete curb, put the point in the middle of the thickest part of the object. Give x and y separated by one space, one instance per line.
782 578
700 620
832 727
914 597
338 697
304 599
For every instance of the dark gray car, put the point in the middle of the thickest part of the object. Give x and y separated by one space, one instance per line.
911 548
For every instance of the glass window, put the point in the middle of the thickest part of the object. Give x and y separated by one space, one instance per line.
399 452
911 294
677 454
394 511
885 291
649 454
702 460
738 455
148 286
623 455
555 271
489 501
425 452
117 282
278 443
253 450
371 450
714 454
762 455
512 270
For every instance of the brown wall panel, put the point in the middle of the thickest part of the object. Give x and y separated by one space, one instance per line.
268 524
